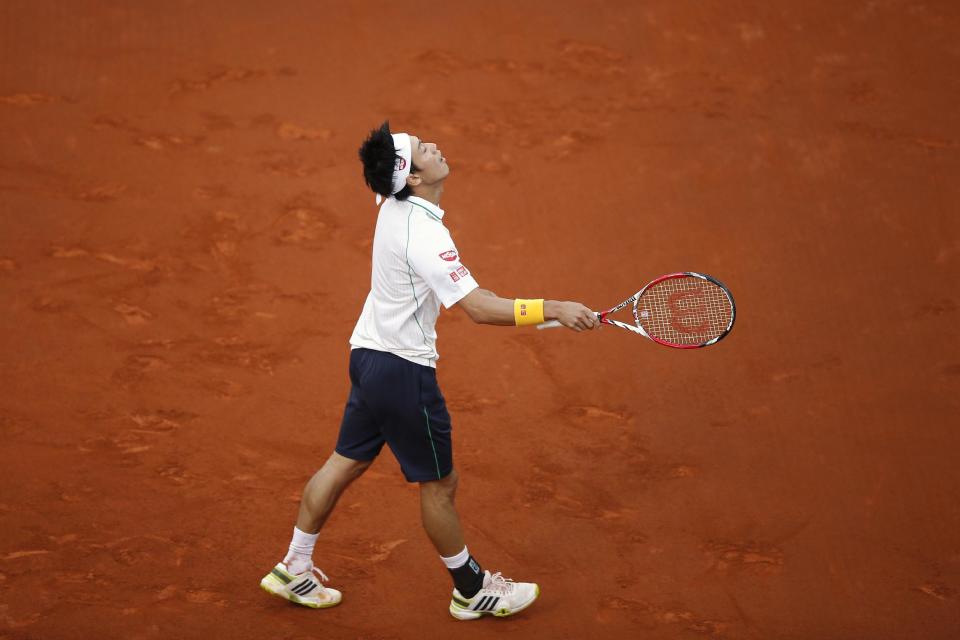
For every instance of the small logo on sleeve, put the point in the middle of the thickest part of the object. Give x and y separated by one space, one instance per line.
461 272
449 256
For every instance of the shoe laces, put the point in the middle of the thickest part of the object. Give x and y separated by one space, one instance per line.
500 584
317 570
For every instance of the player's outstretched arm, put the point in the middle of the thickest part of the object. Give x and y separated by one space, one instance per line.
486 307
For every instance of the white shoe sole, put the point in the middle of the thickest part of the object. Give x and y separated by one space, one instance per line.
503 612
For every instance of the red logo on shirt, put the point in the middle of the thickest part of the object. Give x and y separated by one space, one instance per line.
449 256
463 271
454 277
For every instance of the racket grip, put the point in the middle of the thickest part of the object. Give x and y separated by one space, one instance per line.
551 324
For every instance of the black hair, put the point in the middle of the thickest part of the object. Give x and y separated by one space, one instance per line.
379 157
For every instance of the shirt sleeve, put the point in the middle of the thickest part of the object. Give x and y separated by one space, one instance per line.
435 258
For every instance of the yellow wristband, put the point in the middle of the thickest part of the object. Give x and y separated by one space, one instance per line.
527 311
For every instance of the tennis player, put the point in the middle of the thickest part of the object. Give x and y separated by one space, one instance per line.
394 398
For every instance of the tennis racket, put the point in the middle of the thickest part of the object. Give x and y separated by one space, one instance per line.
683 310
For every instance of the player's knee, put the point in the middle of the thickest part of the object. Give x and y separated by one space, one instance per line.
347 469
450 482
358 467
442 489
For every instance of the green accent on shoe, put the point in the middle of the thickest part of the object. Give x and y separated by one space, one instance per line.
285 579
459 602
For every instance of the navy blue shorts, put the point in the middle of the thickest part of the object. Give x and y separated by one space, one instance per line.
396 401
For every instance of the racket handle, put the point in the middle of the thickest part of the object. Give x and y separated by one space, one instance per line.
552 324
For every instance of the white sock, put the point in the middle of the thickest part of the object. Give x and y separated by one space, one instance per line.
454 562
300 555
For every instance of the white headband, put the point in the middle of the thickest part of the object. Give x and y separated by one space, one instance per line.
401 168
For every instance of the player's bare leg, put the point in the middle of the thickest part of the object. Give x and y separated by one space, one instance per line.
325 488
476 592
439 514
296 579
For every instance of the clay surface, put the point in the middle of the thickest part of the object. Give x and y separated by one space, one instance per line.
185 247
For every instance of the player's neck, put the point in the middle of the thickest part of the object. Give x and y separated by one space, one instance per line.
430 193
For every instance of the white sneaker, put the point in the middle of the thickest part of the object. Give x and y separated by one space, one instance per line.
303 588
499 597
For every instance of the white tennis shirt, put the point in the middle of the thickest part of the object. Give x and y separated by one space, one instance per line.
416 268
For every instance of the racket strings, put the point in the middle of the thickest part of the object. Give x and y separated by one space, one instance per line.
684 311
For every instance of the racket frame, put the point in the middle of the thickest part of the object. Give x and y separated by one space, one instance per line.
638 328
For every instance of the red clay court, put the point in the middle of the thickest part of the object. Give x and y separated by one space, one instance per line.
185 248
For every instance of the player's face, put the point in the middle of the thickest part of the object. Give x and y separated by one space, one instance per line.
433 166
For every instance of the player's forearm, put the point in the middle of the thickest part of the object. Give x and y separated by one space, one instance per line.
486 307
